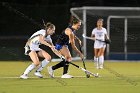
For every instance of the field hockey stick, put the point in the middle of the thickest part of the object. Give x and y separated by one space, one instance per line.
87 75
86 71
90 38
80 48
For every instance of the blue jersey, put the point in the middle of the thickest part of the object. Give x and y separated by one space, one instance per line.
63 39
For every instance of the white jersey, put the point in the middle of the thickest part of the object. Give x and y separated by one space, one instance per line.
34 41
35 37
100 35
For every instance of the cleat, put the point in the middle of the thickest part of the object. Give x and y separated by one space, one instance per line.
101 67
66 76
38 74
51 71
24 76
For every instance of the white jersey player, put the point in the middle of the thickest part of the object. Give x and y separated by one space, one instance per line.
32 49
99 34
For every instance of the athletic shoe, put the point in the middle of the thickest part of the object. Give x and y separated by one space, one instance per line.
101 67
97 68
38 74
24 76
51 71
66 76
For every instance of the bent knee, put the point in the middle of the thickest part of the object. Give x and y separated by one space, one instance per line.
36 63
48 58
68 58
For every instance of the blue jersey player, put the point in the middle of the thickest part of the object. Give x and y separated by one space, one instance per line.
66 37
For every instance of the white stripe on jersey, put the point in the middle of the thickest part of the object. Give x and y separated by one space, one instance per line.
40 32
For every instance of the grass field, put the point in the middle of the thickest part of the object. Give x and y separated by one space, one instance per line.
116 77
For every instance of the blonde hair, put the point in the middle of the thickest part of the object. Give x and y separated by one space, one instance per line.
49 25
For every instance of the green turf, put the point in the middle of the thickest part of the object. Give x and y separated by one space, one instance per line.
116 77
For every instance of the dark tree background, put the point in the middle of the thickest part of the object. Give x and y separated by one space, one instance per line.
16 29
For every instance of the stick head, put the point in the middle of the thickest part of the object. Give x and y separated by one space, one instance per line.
88 75
97 75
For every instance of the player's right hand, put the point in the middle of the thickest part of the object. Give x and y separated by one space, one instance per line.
108 41
93 38
51 46
62 58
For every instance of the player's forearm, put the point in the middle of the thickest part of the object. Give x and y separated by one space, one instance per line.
107 37
56 52
76 49
77 38
42 41
93 37
79 41
45 43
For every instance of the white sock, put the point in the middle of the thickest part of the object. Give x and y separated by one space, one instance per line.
42 65
96 61
29 69
101 60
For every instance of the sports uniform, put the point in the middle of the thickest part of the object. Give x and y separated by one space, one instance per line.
63 40
100 35
33 42
33 45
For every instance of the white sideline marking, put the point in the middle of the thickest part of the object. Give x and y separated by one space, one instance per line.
37 77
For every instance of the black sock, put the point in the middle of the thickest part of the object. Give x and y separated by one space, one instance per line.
59 65
66 66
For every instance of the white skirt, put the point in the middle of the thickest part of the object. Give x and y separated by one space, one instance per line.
31 47
99 44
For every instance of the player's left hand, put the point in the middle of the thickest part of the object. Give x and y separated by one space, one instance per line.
80 42
52 47
108 41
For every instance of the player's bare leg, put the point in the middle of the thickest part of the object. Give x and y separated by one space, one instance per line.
35 59
65 51
47 59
